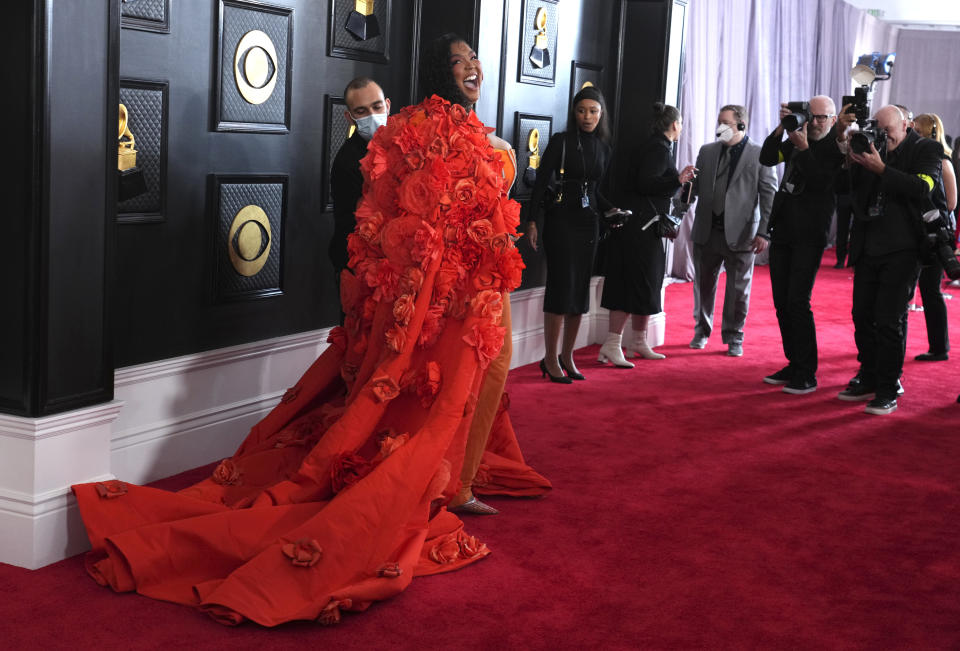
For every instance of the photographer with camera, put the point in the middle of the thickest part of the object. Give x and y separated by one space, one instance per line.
893 174
735 195
566 206
799 226
943 224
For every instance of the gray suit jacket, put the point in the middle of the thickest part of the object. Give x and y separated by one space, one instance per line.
748 201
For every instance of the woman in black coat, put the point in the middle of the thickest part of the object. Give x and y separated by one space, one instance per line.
570 224
645 181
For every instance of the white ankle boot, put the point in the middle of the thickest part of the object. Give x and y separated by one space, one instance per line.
640 347
610 351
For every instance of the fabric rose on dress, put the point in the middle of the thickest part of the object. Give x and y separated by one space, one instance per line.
330 614
426 245
465 191
510 211
419 192
414 160
391 442
499 243
470 547
303 553
338 338
386 193
389 570
385 388
446 551
480 231
290 394
488 304
487 280
411 281
403 309
458 114
510 268
346 470
227 473
429 384
109 490
396 338
433 323
397 239
487 340
369 228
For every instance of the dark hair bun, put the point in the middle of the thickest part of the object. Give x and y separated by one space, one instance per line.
658 107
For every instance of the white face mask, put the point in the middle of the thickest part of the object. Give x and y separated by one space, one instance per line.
368 124
724 133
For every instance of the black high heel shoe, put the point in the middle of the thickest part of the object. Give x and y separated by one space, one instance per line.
573 375
559 379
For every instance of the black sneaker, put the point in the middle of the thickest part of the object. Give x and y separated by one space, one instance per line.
881 406
782 376
799 387
857 389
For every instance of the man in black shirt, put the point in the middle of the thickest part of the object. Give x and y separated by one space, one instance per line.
799 226
889 191
367 110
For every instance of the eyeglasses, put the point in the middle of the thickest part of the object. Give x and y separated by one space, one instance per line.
823 118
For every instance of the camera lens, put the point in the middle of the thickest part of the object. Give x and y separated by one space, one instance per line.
793 121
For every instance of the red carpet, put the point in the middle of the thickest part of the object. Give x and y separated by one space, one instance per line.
693 506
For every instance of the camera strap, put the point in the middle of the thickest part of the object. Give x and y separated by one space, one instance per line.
563 163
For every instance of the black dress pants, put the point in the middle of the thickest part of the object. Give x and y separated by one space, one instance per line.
882 286
793 269
934 308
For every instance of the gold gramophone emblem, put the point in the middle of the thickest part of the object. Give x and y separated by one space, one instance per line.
126 154
362 24
540 53
533 146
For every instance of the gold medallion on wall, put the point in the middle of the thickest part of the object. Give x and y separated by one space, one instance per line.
249 241
256 67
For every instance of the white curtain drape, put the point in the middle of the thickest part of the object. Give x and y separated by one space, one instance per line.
759 53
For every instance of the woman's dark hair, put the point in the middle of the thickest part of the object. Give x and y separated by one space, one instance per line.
592 93
436 73
663 116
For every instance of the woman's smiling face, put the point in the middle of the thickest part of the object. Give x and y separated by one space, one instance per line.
467 70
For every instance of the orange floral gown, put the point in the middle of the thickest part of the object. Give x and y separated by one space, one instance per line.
336 498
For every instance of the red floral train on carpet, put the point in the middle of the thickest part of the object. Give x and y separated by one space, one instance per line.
335 499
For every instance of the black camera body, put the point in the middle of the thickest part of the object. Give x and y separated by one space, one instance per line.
940 239
799 115
869 133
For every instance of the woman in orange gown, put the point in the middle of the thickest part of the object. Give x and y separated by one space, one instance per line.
336 499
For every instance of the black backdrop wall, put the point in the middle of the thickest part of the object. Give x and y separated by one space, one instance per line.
99 285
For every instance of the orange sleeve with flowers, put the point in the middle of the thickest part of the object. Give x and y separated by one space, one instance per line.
336 498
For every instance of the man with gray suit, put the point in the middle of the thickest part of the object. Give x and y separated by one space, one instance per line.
735 193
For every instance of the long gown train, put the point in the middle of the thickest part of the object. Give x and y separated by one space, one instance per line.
336 498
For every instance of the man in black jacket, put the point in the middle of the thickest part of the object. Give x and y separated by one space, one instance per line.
889 191
799 226
367 110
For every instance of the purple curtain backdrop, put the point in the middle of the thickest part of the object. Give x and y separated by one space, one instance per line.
926 75
759 53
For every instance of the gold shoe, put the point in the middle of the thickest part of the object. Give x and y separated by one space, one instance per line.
474 506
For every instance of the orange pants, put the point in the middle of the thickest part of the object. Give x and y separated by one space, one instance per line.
488 402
